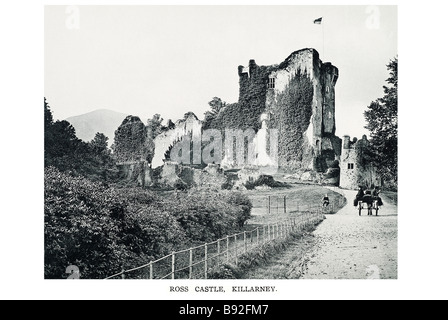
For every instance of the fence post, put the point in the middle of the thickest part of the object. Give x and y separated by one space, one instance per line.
277 204
151 275
284 204
173 266
227 249
236 250
190 265
123 276
245 242
205 261
269 204
219 252
258 235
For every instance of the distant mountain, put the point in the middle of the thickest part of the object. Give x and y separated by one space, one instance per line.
102 120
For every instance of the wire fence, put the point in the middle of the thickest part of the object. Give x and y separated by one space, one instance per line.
197 262
281 204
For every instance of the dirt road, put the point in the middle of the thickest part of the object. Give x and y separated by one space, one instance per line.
348 246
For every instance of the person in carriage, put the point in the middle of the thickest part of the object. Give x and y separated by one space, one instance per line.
367 197
359 196
375 194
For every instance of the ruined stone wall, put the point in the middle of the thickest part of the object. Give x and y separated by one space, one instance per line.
304 92
296 97
135 172
166 139
175 175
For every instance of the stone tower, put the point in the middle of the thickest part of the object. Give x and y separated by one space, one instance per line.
299 93
355 171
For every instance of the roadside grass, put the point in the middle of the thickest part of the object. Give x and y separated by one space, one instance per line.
277 259
262 262
392 196
298 198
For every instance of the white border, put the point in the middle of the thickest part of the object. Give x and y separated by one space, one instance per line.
422 221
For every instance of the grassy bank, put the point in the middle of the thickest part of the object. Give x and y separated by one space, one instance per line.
298 198
263 256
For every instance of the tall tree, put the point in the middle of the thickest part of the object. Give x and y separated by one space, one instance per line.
60 142
155 126
382 122
66 152
99 143
216 105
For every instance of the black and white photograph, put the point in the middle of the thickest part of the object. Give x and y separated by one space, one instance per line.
221 142
228 151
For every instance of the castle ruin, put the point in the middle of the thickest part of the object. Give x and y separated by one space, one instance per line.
297 97
355 170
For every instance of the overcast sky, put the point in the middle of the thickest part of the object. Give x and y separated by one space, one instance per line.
143 60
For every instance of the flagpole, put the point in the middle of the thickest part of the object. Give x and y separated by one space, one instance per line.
320 22
323 40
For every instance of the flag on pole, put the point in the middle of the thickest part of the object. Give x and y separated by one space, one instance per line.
318 21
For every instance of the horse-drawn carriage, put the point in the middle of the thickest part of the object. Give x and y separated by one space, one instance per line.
369 202
370 206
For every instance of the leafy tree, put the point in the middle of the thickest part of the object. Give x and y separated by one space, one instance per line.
48 115
65 151
155 126
99 159
216 105
382 122
99 143
61 146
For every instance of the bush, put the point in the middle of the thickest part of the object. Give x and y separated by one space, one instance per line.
266 180
207 215
81 226
103 229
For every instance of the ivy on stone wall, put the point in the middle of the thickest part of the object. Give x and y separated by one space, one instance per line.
131 141
292 117
246 112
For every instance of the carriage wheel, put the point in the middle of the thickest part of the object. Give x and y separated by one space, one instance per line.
376 207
